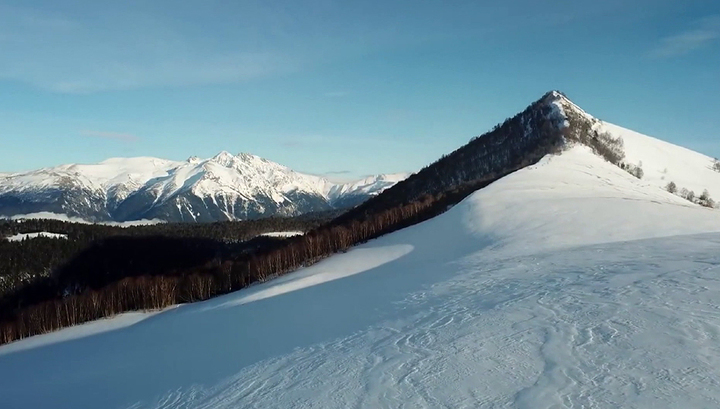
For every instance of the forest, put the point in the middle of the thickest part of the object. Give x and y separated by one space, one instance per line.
186 267
26 261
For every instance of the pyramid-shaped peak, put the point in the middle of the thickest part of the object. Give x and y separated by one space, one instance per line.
223 155
224 158
554 96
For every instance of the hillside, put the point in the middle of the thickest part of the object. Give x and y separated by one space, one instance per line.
663 162
567 283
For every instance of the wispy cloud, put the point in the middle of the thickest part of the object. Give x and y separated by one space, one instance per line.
705 32
116 136
76 54
107 46
312 141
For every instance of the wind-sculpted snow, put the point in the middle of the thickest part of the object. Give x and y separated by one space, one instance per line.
343 265
617 325
566 284
79 331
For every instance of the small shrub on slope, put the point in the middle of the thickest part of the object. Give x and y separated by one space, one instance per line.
635 170
705 200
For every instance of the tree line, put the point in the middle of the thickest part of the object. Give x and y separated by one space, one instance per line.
24 262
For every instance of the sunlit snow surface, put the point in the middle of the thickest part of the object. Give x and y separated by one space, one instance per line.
283 234
566 284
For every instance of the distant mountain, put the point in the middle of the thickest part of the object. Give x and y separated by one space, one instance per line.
224 187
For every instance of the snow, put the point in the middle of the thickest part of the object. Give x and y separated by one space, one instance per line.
46 215
566 284
592 199
235 178
283 233
343 265
123 173
371 185
663 162
24 236
226 177
79 331
66 218
141 222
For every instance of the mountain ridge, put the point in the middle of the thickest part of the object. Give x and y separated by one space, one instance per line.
223 187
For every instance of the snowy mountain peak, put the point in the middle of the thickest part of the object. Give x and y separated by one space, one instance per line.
243 160
563 101
555 95
249 157
224 187
224 158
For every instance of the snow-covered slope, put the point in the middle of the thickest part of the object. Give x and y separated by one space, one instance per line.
660 161
663 162
224 187
532 292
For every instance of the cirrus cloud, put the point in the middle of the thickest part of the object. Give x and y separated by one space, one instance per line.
705 32
116 136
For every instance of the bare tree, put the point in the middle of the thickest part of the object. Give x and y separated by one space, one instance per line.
705 200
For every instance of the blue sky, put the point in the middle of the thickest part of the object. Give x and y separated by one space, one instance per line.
340 87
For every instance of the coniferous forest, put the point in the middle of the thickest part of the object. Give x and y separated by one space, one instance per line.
101 270
29 260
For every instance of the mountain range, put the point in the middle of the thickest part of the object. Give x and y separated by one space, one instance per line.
224 187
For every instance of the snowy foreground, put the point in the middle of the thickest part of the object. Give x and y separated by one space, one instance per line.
567 284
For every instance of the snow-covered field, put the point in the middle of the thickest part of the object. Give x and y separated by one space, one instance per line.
566 284
24 236
66 218
283 233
